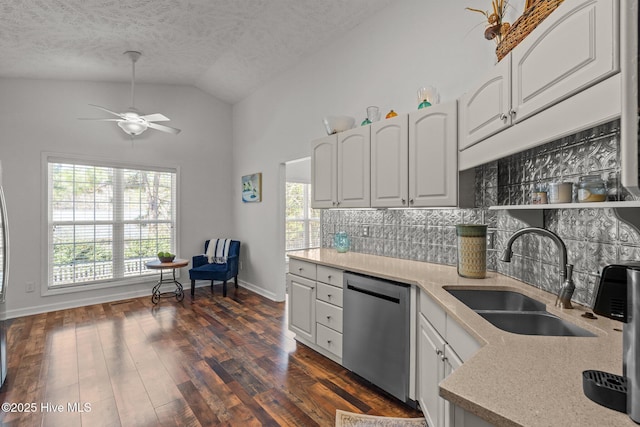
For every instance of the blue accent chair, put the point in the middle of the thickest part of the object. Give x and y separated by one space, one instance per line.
202 270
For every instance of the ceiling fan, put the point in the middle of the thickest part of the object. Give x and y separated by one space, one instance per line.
132 121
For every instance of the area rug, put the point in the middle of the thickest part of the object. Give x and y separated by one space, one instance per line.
350 419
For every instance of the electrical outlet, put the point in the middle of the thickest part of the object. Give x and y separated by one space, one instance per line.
491 239
30 287
365 231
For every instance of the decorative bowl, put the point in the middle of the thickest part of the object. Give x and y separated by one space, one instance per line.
335 124
167 258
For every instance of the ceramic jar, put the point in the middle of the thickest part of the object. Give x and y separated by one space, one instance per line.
472 250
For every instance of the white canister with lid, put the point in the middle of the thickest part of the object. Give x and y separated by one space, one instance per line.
560 192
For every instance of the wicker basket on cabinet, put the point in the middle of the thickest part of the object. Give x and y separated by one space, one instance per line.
530 18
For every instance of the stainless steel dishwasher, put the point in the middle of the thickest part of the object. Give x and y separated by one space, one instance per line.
375 342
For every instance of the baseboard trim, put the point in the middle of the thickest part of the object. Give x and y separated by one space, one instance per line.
82 302
46 308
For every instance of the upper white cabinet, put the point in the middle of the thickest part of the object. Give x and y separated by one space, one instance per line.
414 159
390 162
354 168
485 109
324 172
433 159
577 49
570 52
340 170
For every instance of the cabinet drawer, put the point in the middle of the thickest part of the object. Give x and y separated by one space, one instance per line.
433 313
329 275
329 294
329 339
302 268
329 315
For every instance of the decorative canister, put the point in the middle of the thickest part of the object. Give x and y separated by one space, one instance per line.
591 188
472 250
341 241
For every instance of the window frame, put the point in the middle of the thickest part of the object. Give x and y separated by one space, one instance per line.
49 157
306 219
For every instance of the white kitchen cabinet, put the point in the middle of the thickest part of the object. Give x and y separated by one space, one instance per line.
433 156
390 162
430 372
302 306
341 170
443 345
414 159
354 168
575 48
484 110
315 306
324 172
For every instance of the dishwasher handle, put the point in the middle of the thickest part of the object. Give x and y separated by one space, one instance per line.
373 294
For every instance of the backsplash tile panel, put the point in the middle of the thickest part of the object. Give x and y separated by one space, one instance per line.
594 237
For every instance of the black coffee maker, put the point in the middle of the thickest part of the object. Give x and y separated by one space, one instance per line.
618 298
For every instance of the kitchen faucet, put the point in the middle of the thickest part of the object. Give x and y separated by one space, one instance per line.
566 270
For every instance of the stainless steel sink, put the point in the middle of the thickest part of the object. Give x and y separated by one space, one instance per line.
477 299
534 323
517 313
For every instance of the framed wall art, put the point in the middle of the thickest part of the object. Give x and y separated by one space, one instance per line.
252 188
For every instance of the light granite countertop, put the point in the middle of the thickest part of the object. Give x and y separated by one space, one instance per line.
513 380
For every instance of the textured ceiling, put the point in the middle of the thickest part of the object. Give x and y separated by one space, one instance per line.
225 47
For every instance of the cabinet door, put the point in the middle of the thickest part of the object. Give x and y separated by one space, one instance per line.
302 306
484 110
430 372
390 163
574 48
433 156
451 363
324 172
354 168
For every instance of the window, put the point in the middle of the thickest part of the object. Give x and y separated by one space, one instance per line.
302 222
105 221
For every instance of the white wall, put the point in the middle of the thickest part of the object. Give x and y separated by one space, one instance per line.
41 116
382 62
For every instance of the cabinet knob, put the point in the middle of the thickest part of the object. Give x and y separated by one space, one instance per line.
328 295
299 268
404 201
329 277
443 357
328 317
328 341
410 201
503 117
439 352
512 112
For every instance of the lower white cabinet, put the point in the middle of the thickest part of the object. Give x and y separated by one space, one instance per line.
315 307
437 359
302 306
430 372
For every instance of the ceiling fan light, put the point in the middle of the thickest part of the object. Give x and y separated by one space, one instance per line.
133 128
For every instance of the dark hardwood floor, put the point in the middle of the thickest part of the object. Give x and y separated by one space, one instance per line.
214 361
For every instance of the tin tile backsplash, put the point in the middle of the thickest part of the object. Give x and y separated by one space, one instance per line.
594 237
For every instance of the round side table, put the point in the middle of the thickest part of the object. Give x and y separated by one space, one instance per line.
173 265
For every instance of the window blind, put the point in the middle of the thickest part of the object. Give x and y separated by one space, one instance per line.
106 222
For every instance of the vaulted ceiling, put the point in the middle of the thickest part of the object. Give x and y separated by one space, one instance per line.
225 47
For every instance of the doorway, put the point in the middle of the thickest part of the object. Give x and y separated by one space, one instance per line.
302 223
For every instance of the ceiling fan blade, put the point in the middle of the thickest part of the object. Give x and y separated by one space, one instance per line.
155 117
100 120
108 111
164 128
